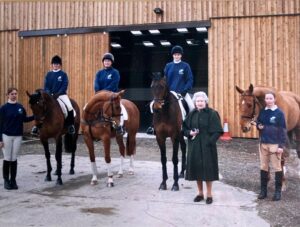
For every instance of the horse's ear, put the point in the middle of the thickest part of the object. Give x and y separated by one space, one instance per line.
251 88
28 94
121 93
239 90
156 75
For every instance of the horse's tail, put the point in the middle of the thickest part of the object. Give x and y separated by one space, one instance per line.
70 142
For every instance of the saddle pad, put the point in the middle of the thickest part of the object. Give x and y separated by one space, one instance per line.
180 98
124 112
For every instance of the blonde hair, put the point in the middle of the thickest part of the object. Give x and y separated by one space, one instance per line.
201 94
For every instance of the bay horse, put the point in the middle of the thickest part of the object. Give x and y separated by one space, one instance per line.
167 121
252 101
50 118
100 117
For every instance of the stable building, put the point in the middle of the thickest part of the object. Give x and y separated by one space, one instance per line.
226 42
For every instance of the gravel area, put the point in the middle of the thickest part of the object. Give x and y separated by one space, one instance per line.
239 167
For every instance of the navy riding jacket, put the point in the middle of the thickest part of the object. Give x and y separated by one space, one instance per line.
56 83
107 79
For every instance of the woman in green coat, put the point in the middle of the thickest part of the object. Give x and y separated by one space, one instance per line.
202 127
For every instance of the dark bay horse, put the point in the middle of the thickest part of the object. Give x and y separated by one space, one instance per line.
49 116
100 116
167 121
252 101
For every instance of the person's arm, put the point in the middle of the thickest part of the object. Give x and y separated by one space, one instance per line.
65 83
26 118
189 80
96 83
282 131
215 127
47 84
1 123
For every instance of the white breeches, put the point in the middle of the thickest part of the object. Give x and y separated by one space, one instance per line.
11 147
66 101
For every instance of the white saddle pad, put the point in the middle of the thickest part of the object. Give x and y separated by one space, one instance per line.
183 112
64 108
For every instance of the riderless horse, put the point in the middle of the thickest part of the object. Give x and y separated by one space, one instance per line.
252 101
167 121
100 118
51 120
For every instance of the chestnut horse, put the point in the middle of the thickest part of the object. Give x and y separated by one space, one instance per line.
252 101
50 118
167 121
100 116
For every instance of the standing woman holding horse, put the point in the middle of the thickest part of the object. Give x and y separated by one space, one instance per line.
202 127
271 124
12 117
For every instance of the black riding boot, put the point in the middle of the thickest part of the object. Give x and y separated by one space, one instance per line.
263 184
278 185
70 122
6 165
13 174
150 130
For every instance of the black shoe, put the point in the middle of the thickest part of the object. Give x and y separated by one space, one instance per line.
71 130
198 198
209 200
150 131
34 131
13 185
7 185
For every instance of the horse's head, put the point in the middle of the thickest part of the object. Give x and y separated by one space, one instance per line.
112 107
248 107
37 102
160 90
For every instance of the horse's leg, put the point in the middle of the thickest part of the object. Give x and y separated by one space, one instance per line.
162 146
284 181
130 148
90 145
297 135
183 158
122 153
58 157
106 144
175 142
48 161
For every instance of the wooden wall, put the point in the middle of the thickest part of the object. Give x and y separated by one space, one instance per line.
33 15
257 50
81 56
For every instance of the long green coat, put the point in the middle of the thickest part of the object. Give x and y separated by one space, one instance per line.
202 157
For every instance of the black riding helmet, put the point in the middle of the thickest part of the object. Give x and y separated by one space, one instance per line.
177 50
56 60
108 56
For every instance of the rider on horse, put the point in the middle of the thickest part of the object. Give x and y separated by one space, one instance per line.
179 78
108 79
56 84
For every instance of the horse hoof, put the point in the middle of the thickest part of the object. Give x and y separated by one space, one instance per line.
110 185
175 188
72 172
181 175
94 182
48 178
163 187
59 182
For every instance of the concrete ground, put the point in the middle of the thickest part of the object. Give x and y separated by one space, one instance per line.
134 201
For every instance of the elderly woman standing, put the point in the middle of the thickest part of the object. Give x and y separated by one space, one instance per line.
202 127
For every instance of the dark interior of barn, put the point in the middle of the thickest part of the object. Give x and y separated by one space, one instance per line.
140 54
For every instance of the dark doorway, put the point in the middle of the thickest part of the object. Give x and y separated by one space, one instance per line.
136 61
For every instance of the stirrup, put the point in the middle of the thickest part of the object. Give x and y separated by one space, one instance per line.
34 131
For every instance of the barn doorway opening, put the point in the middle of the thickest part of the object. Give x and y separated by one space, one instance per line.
140 52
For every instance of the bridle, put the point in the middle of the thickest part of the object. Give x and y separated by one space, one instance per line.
100 116
45 111
252 116
162 101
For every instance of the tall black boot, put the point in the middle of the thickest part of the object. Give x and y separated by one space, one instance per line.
6 165
70 122
13 174
278 185
263 184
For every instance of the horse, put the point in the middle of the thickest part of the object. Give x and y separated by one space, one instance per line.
100 117
252 101
50 118
167 121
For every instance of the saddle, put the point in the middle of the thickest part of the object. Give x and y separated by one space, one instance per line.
184 108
